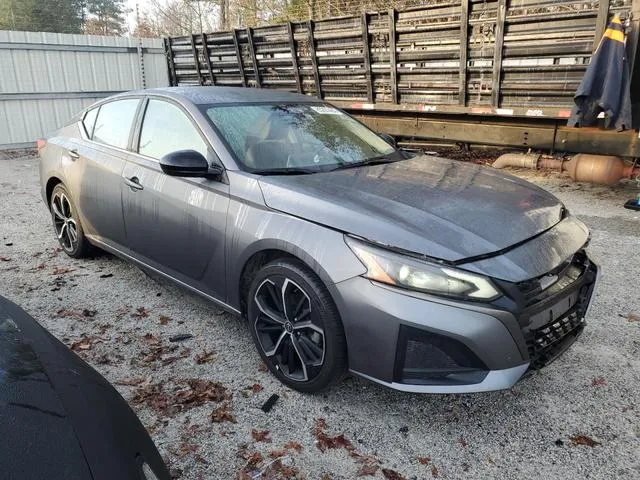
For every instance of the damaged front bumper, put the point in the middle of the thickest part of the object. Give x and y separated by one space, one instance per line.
420 343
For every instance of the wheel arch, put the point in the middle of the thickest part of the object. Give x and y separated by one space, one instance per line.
262 253
51 184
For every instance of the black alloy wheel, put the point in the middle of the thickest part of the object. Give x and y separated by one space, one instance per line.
296 327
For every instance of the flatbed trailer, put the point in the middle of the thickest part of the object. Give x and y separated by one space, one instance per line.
491 72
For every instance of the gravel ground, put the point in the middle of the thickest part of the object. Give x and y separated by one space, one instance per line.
200 398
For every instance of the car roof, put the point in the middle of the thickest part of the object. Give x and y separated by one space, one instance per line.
226 95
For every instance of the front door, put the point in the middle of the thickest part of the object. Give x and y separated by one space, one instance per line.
175 224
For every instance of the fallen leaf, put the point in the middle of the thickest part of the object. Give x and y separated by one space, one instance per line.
465 467
263 367
632 317
392 474
627 408
62 270
424 460
204 357
223 414
185 449
83 344
434 471
260 435
598 382
140 312
325 442
4 259
164 319
200 459
463 442
256 387
367 471
583 440
130 382
293 446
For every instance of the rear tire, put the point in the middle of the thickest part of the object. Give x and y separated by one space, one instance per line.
296 326
66 224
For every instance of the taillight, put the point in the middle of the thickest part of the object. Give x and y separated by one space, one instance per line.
40 143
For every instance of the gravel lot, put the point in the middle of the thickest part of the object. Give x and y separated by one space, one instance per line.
120 321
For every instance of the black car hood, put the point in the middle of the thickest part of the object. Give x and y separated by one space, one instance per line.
433 206
59 419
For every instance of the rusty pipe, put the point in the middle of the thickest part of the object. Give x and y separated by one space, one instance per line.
601 169
522 160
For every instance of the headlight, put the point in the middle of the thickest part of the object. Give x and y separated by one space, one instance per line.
402 271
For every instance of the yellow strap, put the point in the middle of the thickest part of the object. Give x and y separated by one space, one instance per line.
616 35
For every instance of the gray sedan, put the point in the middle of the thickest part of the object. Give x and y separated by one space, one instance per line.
342 252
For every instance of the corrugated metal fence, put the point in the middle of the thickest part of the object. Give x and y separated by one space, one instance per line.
46 78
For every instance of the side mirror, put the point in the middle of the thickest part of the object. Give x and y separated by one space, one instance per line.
184 163
388 138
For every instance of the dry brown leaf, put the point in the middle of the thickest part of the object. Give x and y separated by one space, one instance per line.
164 319
140 312
632 317
583 440
130 382
62 270
392 474
260 435
83 344
223 414
4 259
598 382
293 446
367 470
256 387
424 460
434 471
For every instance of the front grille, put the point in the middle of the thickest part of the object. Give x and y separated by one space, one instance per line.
553 317
546 343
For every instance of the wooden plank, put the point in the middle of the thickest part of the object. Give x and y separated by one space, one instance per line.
205 49
366 51
601 22
497 53
252 52
294 57
196 59
464 45
173 81
243 77
393 62
314 59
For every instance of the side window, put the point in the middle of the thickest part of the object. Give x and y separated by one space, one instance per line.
114 122
90 120
166 129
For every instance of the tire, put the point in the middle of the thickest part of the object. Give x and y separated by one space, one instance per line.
307 352
66 224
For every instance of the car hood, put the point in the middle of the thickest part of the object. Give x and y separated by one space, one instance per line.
432 206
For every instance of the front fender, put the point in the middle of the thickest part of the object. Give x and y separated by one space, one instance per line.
322 249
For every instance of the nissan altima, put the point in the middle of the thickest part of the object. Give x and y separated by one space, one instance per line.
342 252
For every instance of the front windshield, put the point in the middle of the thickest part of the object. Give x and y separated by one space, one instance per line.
310 137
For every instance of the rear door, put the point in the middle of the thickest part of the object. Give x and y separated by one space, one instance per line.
96 166
175 224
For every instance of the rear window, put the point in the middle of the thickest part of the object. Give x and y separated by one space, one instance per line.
90 120
114 121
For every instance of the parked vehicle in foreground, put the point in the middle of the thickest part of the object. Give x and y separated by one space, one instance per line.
343 252
59 419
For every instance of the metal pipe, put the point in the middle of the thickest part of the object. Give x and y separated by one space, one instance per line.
604 170
522 160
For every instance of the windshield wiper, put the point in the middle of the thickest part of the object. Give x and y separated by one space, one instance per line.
286 171
369 161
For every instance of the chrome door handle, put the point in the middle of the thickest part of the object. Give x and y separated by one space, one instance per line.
73 155
133 183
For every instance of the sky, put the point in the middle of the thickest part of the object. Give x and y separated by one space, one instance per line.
142 4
